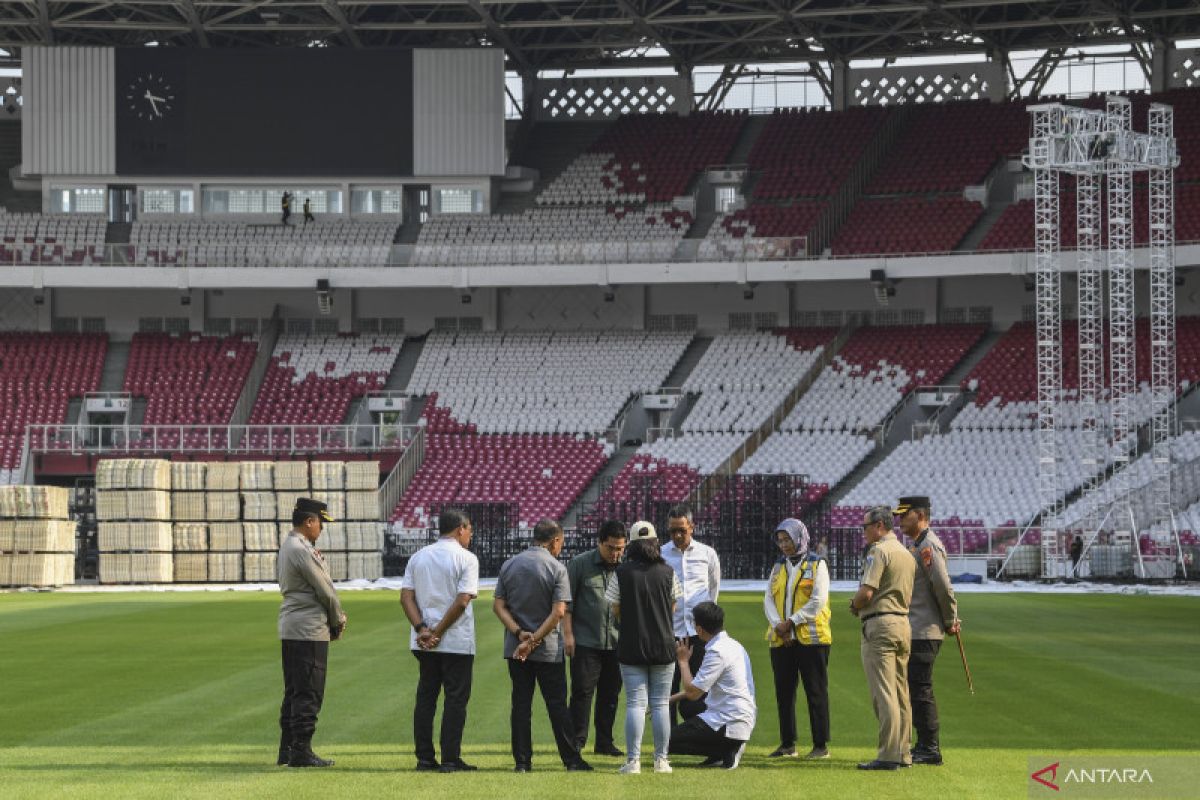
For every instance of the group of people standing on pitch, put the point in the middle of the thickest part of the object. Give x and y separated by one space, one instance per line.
628 613
635 614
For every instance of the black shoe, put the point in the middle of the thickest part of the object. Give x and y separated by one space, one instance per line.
734 757
782 751
712 761
817 754
609 750
927 756
305 757
457 765
523 768
580 766
428 766
877 764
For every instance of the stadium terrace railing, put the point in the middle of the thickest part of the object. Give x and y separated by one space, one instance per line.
440 254
402 474
222 439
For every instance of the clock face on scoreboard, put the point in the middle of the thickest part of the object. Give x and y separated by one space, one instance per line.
150 97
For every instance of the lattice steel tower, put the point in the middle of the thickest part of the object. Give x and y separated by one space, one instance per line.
1093 144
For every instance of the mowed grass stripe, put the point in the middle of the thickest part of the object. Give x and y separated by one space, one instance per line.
177 694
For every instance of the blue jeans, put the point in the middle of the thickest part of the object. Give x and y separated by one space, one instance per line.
653 680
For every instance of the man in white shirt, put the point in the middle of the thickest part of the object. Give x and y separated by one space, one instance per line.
721 731
698 569
439 584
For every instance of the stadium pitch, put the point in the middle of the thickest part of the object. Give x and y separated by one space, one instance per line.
176 695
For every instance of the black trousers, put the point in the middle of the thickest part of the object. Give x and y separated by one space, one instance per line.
594 672
920 691
304 666
688 708
808 663
551 678
451 671
693 737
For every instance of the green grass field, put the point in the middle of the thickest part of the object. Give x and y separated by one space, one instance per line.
176 695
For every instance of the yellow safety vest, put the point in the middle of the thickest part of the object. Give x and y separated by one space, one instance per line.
813 632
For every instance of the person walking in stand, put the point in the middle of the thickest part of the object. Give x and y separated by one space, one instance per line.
440 581
933 614
796 604
531 599
308 215
881 604
310 616
590 635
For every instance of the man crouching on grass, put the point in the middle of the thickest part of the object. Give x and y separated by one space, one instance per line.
721 731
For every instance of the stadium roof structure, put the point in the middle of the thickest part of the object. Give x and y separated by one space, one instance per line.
578 34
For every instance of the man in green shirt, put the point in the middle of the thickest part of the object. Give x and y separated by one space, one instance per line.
590 638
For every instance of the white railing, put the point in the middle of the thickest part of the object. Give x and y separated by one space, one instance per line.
402 474
233 439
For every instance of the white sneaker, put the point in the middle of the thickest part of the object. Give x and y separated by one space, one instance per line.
662 765
631 768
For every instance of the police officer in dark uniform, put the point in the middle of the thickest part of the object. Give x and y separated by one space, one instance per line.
933 614
309 618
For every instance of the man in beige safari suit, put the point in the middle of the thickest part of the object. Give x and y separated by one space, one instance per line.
881 604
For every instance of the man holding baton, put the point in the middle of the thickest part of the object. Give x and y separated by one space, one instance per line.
932 614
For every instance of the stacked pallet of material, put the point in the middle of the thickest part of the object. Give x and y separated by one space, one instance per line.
37 540
225 567
222 476
258 506
260 536
285 503
225 537
34 502
191 567
336 563
362 476
291 476
223 506
257 476
335 501
189 537
260 567
189 506
133 504
362 505
189 476
328 476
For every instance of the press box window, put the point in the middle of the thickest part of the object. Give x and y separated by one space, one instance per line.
458 201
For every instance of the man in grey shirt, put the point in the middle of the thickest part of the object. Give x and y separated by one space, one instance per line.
531 598
309 617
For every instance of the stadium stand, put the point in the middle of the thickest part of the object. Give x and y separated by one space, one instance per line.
915 203
610 204
542 381
312 380
41 373
516 414
741 380
327 242
188 379
59 239
827 433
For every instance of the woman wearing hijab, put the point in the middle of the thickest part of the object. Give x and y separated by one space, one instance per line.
797 607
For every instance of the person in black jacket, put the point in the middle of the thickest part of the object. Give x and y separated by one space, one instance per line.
643 596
